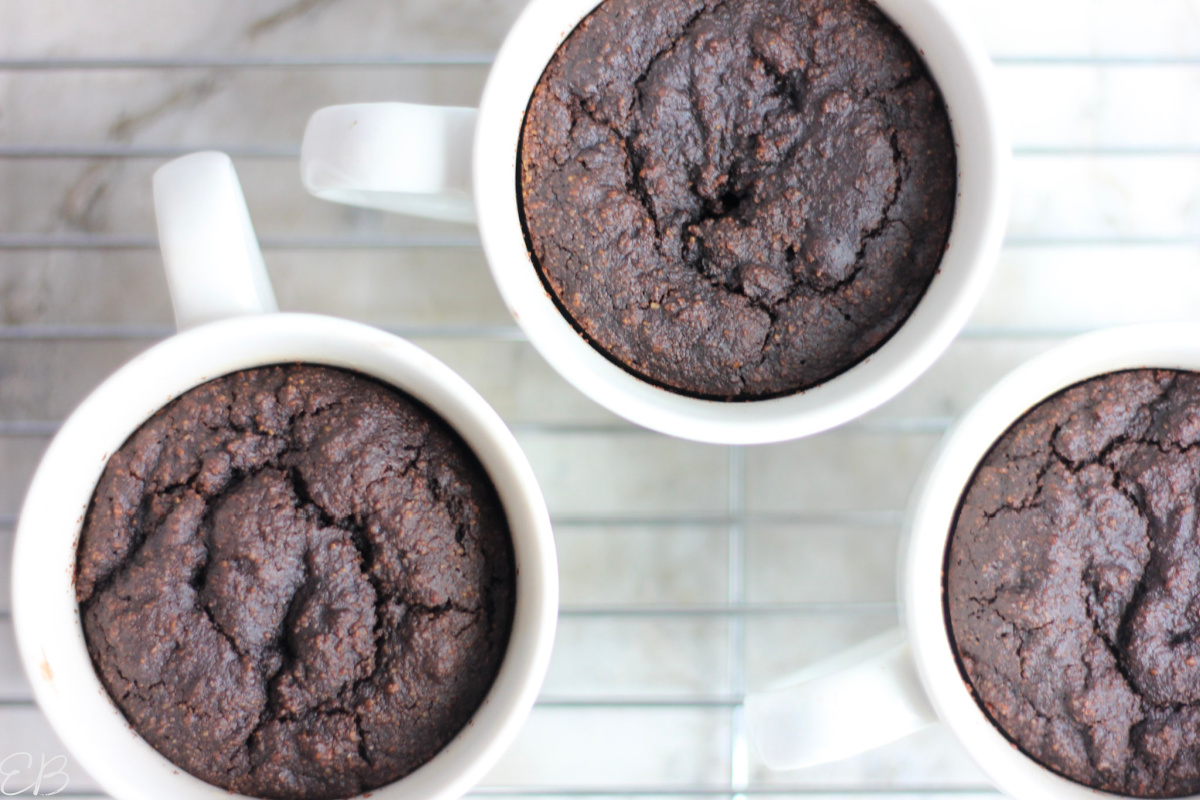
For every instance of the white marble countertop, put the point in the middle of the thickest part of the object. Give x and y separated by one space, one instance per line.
689 572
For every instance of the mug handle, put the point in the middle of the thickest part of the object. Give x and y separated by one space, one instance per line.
853 702
214 267
412 159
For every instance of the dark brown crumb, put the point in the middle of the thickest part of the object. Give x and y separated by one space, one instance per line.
296 582
1073 583
737 199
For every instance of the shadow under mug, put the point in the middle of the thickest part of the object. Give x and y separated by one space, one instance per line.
222 301
459 164
909 678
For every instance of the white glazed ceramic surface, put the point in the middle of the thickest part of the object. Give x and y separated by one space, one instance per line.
1168 346
865 698
336 149
46 615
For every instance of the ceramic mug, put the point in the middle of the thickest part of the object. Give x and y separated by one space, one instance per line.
459 164
223 305
910 678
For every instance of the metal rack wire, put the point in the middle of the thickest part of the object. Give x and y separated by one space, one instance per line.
736 517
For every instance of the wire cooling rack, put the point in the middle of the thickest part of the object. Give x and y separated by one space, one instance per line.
690 573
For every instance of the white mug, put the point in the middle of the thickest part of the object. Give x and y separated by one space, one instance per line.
223 303
419 160
909 678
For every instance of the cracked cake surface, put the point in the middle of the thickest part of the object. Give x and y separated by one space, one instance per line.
296 582
1073 583
737 199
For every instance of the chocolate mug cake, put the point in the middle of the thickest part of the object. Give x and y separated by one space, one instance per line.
1072 583
737 199
296 582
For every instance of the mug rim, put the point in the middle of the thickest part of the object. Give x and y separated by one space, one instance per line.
46 617
962 71
935 505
